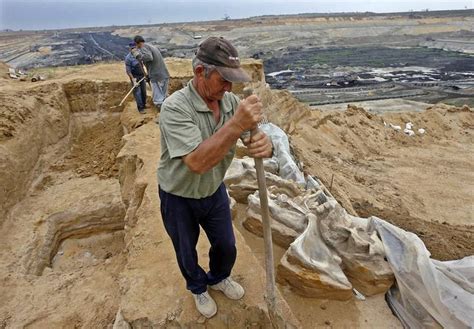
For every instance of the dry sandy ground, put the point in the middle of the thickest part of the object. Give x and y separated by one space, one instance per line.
379 106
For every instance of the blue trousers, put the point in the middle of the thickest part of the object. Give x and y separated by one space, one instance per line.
183 218
159 89
140 95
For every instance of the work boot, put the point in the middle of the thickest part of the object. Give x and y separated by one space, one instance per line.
230 288
205 304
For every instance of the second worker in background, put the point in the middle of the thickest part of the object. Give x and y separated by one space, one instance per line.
158 74
136 74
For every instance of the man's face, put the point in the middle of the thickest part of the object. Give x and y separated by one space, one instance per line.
214 86
140 44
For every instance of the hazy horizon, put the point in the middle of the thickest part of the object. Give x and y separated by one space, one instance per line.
53 14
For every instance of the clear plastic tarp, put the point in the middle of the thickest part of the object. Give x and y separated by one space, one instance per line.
428 293
281 154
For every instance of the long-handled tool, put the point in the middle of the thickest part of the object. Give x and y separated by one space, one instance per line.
129 92
141 64
267 229
145 73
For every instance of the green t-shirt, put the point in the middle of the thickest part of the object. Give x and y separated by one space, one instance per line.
186 121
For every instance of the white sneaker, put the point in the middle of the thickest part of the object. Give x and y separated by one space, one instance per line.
205 304
230 288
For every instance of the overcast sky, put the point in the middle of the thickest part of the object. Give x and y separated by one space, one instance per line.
49 14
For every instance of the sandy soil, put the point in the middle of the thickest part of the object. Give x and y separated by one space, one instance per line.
379 106
94 151
86 229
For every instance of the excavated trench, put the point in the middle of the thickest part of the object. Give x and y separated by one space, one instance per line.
90 228
62 208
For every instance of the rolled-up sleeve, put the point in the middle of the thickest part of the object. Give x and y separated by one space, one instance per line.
180 132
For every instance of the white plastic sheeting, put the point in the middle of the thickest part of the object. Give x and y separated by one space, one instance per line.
281 154
429 293
314 254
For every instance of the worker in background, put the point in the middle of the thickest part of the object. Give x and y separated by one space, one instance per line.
200 125
156 69
135 73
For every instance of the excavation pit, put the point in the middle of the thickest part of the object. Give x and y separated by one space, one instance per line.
78 252
61 203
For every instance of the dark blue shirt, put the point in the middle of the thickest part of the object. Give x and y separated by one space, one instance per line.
133 66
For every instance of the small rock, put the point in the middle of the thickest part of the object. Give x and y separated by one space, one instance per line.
409 132
47 270
327 322
323 307
120 322
201 319
395 127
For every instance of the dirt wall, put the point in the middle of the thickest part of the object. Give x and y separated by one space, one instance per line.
30 122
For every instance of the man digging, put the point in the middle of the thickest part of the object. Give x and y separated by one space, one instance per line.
200 126
135 73
158 74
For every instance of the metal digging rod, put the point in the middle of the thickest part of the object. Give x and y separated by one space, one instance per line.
267 230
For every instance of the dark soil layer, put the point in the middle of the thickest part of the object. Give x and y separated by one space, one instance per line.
371 57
